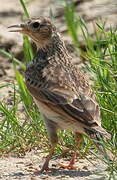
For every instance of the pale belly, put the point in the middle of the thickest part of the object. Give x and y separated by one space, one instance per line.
63 122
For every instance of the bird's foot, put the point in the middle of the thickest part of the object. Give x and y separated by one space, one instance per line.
45 168
71 163
38 171
70 166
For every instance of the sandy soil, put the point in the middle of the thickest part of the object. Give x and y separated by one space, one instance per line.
21 168
12 167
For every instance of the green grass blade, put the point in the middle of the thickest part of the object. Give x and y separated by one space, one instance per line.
24 8
27 48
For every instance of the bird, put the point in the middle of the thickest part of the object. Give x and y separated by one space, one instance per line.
60 89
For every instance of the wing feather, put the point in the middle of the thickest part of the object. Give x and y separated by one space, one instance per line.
76 109
65 90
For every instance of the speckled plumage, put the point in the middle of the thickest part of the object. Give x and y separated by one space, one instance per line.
51 77
60 89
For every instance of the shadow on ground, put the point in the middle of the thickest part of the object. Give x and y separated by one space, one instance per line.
70 173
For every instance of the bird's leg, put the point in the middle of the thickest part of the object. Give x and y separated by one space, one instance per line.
52 132
78 138
45 166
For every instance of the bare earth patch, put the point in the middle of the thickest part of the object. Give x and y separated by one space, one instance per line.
21 168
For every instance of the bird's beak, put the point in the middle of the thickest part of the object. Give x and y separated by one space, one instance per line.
18 28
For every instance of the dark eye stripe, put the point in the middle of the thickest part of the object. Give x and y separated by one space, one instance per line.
41 25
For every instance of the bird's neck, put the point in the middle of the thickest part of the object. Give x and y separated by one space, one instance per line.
54 48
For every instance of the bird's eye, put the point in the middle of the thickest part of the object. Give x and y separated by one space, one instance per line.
35 25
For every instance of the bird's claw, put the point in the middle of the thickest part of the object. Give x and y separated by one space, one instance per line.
70 167
38 171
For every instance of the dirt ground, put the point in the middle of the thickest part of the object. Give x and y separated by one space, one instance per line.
12 167
21 168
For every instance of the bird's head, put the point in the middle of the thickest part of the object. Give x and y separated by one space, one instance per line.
40 30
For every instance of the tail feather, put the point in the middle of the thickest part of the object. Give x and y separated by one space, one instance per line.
99 136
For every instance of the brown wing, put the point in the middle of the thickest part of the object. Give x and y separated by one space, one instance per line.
59 88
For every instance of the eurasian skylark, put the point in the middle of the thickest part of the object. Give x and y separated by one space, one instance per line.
60 90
